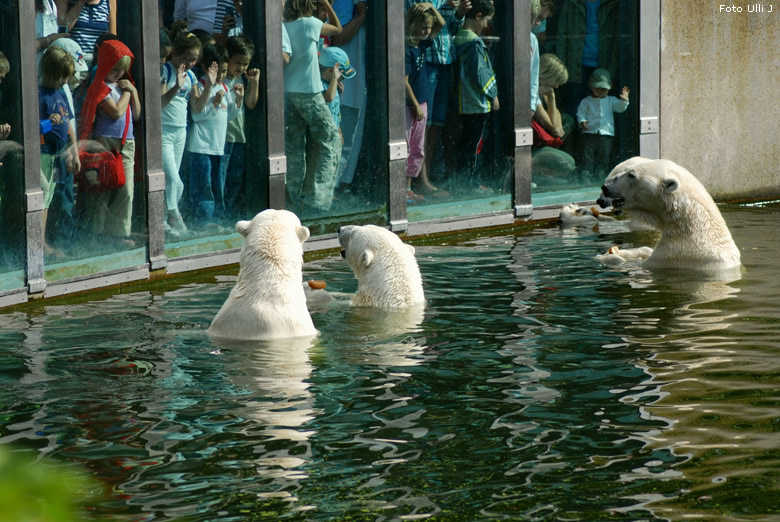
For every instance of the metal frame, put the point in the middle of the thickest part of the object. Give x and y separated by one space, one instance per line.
649 78
266 163
33 194
517 23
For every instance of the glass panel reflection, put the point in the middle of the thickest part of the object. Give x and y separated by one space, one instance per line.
89 104
457 164
587 112
208 84
12 217
331 177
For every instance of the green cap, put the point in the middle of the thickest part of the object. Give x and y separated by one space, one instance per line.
600 79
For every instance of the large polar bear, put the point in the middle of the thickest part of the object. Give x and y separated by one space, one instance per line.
385 267
268 301
665 196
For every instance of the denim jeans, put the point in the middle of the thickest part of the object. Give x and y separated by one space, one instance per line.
207 186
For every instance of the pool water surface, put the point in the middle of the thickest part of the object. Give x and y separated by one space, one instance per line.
538 385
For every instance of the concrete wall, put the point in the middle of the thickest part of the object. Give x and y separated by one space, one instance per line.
720 95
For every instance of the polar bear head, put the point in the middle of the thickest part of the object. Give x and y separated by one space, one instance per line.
655 191
274 238
385 267
664 195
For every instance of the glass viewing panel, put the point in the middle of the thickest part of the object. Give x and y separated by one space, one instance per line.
588 69
204 138
330 176
88 102
12 216
457 164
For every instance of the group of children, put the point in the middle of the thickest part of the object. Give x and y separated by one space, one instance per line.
474 85
111 104
204 116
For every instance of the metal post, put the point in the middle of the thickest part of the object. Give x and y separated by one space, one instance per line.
649 78
137 27
390 30
28 70
517 28
266 163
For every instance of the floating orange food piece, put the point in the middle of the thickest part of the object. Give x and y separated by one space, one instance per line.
317 285
613 250
595 211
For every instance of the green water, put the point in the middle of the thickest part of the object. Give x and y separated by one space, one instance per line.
538 386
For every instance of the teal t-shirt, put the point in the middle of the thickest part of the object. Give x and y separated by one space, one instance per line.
302 74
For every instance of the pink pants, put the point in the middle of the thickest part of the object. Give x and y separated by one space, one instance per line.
415 139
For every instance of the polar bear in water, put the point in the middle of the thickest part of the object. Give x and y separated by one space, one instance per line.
268 301
665 196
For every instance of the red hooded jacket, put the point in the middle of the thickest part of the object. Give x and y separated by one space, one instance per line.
109 53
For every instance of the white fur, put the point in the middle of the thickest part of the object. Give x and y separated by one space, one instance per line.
385 267
667 197
268 301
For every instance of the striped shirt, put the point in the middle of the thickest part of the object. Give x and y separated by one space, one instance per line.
225 7
92 22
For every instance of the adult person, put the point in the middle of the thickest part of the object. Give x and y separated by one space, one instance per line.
86 20
200 14
352 39
46 26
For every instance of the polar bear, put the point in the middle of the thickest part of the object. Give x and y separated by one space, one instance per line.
268 300
385 267
665 196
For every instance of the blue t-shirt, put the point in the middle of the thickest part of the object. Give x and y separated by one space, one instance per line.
335 105
590 55
416 70
53 101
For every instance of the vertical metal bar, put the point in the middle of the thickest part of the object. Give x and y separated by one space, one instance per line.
519 31
266 163
649 78
28 70
151 124
396 150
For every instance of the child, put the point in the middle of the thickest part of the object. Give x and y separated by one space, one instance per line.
477 90
61 211
240 50
177 82
58 141
111 100
307 117
334 65
422 23
165 46
595 116
212 105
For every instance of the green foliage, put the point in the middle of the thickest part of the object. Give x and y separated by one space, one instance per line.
41 491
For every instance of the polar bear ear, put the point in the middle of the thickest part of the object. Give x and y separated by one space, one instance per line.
671 184
366 258
242 227
302 233
411 248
